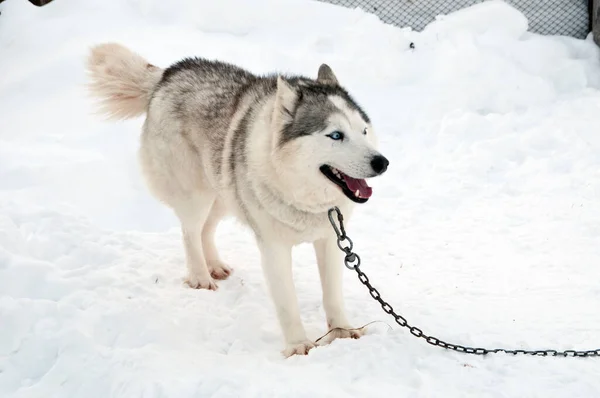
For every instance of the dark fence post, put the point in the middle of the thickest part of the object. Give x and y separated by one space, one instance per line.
595 18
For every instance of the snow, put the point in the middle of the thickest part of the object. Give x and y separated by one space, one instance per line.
484 231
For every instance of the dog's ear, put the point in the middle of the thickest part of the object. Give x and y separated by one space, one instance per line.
326 75
284 109
286 101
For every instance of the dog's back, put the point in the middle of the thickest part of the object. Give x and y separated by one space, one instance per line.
126 84
205 95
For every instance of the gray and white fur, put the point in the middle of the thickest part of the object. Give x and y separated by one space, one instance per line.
276 152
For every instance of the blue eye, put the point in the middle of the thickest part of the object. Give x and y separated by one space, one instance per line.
336 135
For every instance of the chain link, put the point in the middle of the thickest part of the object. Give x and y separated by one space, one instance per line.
352 261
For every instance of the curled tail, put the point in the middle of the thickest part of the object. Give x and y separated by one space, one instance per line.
122 80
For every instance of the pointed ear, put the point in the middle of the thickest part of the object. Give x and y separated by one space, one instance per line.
326 75
286 100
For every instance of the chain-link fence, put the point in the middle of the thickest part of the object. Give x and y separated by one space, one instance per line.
553 17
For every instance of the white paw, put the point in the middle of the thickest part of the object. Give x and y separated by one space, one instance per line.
219 270
298 348
346 332
196 282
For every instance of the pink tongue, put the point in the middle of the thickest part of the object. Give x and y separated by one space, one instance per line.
358 185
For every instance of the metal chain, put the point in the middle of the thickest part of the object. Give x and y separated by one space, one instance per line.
352 261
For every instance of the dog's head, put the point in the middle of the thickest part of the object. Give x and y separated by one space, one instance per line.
324 142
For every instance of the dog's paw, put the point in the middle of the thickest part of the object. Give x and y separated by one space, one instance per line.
219 270
344 333
196 282
298 348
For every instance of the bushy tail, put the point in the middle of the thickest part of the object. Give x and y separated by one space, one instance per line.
121 79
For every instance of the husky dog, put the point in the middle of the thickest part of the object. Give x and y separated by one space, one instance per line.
276 152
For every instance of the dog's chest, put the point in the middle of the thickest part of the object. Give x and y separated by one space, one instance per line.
299 227
279 219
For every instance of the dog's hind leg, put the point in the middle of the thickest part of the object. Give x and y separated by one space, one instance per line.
193 213
217 268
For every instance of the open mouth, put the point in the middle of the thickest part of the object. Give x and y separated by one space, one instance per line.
355 189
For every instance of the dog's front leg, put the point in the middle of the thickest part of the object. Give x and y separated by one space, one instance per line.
330 262
277 267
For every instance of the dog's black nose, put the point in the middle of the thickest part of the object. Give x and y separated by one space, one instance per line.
379 164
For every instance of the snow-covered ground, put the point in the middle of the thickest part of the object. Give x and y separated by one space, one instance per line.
484 231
